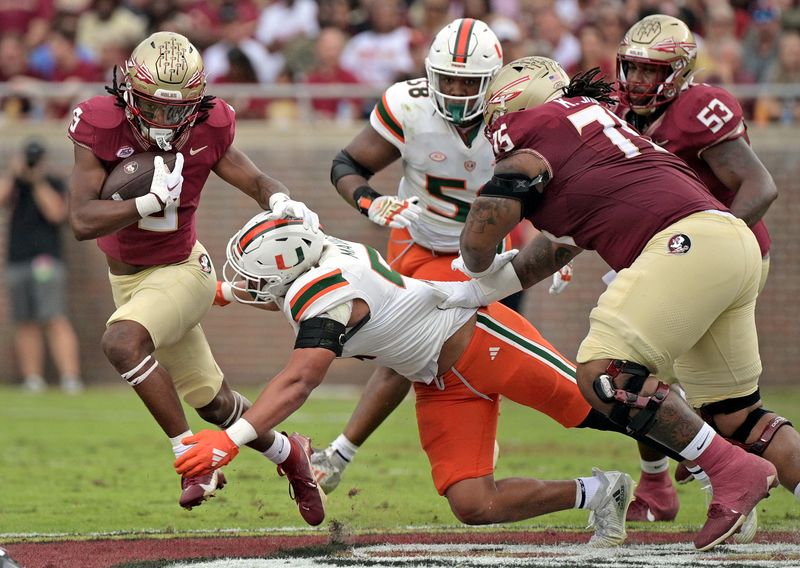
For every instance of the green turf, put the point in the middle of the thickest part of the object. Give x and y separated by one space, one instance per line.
98 463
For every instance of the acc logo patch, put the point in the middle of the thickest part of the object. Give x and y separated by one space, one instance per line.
130 167
125 152
437 156
679 244
469 165
205 263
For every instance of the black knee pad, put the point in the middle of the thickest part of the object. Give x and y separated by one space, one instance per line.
627 397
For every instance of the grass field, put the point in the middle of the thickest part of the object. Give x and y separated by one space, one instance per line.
98 464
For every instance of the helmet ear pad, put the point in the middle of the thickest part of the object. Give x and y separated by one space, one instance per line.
465 50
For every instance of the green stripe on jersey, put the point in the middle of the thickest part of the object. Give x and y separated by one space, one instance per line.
318 289
388 120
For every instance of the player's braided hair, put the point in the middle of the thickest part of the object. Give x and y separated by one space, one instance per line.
206 103
585 85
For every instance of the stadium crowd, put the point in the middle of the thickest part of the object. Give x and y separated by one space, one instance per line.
372 42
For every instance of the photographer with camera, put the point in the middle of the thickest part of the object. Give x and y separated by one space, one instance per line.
35 273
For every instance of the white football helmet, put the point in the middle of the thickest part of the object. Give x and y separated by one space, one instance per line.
465 48
265 256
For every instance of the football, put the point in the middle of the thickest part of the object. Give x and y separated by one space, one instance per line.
132 176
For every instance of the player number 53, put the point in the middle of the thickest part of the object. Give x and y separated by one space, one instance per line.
715 115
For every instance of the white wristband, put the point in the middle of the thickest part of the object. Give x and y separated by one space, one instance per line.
275 197
227 291
500 284
147 205
241 432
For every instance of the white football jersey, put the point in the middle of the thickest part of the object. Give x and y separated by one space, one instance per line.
438 167
405 331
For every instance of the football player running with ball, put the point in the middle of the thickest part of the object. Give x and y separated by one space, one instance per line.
435 125
703 125
689 272
342 299
162 279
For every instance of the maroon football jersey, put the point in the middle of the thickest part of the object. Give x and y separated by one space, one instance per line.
167 237
700 117
611 189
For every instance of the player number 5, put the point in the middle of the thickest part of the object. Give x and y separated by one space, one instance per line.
715 115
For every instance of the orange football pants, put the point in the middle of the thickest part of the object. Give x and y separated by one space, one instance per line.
506 356
410 259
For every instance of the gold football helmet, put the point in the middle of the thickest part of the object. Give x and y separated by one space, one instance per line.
525 83
666 49
164 85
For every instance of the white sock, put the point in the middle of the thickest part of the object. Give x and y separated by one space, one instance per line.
699 444
279 451
178 447
658 466
797 492
344 448
586 490
700 475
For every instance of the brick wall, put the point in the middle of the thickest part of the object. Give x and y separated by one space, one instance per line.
251 345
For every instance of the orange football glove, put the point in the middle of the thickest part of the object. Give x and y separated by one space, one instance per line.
220 298
211 449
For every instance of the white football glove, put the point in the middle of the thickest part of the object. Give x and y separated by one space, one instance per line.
561 279
165 188
284 206
498 262
390 211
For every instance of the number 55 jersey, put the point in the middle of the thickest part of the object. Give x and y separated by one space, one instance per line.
439 167
610 189
701 116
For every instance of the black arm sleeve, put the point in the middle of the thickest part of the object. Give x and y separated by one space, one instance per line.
321 332
528 191
345 165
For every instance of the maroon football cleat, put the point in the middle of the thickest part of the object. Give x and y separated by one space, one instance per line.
655 499
303 487
197 489
746 480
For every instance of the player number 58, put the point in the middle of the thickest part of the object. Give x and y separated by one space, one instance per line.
715 115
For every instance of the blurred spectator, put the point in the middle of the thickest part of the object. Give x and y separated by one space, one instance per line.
35 273
382 54
563 46
265 65
430 16
108 22
288 28
327 70
719 23
209 17
726 69
761 43
69 66
30 19
510 36
14 68
338 14
477 10
610 21
241 70
595 52
785 70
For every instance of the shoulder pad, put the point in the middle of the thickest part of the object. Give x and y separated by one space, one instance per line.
96 122
706 115
396 107
221 115
102 112
315 292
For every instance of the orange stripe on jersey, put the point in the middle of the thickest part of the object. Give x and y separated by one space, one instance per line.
461 50
387 118
314 290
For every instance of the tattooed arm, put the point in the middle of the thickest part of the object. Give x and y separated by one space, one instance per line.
490 219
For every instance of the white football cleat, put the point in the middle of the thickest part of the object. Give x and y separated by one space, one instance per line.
327 467
608 516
